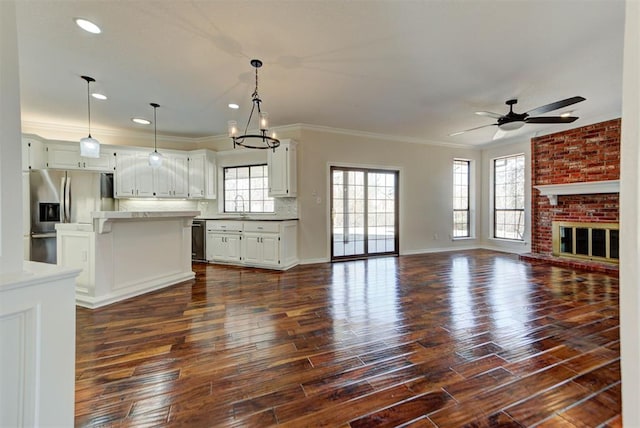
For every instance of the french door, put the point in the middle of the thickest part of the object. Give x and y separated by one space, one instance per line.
364 212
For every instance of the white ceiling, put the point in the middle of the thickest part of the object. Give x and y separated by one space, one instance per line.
413 69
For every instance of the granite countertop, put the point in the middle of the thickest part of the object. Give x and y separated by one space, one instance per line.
142 214
246 218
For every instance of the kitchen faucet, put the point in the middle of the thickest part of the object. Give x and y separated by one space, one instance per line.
242 213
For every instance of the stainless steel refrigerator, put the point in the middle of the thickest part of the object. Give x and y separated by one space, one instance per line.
63 197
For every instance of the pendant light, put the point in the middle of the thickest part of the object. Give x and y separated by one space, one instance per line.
155 158
254 141
89 146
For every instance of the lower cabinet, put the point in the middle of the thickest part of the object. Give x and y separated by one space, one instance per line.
261 249
268 244
223 247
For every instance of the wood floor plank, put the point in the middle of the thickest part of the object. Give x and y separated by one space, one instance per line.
467 338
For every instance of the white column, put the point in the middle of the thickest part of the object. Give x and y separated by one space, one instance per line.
630 219
11 251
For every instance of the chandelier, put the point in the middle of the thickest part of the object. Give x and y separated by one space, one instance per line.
254 141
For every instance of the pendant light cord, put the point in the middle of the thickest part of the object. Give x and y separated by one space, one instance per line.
89 105
155 127
155 131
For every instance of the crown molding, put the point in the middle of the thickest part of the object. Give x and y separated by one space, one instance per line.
35 127
296 127
383 137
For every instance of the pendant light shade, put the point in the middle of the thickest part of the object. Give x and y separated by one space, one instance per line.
155 158
89 146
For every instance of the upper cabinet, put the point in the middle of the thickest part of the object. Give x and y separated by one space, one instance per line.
282 170
179 175
32 154
202 174
63 155
171 179
183 174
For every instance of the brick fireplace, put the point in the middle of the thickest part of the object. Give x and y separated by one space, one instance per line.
583 155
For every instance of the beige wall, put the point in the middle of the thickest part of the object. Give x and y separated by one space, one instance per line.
425 188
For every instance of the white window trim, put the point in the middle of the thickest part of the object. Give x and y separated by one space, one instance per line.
472 201
492 175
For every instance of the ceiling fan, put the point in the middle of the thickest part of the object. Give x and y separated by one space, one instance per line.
512 120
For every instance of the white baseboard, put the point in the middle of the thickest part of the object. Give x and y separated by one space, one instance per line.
132 291
314 261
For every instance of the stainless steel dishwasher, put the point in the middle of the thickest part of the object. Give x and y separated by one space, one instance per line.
198 234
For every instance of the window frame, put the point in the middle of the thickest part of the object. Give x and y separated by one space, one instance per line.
468 200
522 210
246 203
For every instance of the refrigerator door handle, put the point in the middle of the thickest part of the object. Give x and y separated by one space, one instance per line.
67 198
43 235
63 191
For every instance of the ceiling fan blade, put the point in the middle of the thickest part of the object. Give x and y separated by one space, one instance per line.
489 114
499 134
555 106
551 119
453 134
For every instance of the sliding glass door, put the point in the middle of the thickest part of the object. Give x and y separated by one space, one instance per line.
364 212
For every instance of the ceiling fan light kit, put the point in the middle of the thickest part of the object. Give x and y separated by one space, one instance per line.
512 120
254 141
89 146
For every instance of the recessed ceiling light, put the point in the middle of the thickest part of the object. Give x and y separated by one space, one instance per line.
566 114
88 26
99 96
141 121
234 106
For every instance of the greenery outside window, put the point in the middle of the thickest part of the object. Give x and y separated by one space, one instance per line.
246 189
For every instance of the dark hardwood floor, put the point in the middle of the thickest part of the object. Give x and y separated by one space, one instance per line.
471 338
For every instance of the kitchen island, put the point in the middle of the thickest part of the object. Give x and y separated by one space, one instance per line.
124 254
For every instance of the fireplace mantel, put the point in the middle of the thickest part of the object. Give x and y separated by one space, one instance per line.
552 191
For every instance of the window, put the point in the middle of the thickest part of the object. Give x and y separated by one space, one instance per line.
461 214
246 189
364 206
508 197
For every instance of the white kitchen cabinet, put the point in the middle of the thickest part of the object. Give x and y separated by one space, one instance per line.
125 175
63 155
170 180
143 176
202 174
76 250
32 154
133 176
261 249
282 165
223 242
268 244
223 247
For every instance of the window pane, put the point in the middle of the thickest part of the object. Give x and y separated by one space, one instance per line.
246 189
509 200
461 215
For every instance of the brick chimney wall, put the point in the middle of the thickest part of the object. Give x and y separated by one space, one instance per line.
590 153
